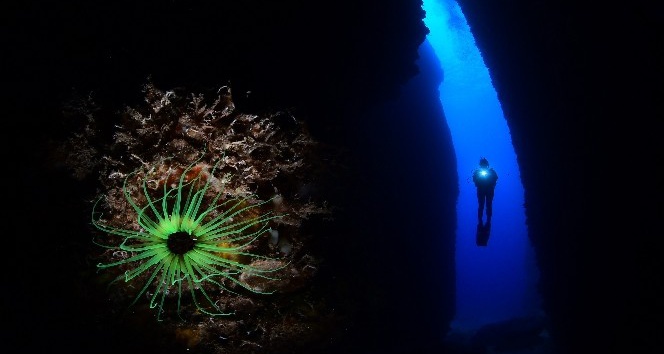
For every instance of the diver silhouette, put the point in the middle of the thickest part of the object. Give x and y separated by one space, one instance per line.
485 179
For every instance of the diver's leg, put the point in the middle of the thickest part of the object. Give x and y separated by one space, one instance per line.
480 205
489 205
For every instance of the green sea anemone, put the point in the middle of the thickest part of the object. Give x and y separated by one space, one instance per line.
188 237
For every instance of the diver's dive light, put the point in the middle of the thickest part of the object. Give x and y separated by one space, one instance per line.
483 173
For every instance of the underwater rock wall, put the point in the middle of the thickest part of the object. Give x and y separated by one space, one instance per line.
578 84
308 76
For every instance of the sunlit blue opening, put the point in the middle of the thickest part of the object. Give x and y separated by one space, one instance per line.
498 281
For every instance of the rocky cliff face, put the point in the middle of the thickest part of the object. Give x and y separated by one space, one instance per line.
577 83
82 112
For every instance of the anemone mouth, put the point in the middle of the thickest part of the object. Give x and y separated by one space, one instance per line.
180 243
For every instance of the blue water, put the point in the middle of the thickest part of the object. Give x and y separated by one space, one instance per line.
498 281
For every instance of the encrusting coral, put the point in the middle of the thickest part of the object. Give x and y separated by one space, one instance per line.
204 215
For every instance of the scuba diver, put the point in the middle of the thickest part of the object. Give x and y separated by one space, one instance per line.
485 179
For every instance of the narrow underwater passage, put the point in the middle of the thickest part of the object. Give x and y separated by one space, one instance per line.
498 281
